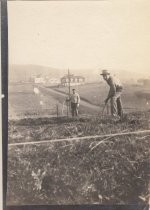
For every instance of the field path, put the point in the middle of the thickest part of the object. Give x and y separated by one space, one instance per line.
82 102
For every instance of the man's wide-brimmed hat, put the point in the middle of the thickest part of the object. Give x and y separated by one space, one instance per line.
105 72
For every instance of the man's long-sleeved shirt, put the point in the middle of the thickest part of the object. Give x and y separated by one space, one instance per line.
115 86
75 98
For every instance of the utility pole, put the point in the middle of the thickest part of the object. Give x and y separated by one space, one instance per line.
69 87
69 82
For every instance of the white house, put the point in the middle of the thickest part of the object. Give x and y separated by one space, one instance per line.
39 80
73 80
53 81
46 80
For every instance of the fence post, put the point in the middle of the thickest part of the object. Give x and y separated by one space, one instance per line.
57 110
67 109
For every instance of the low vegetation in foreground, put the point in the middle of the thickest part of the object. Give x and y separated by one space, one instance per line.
108 170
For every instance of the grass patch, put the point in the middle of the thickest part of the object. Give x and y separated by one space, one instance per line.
79 172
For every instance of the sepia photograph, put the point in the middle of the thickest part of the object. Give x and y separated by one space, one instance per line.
78 103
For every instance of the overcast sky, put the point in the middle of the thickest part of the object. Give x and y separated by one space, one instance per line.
113 34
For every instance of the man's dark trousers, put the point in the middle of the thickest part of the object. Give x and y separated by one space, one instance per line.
116 104
74 109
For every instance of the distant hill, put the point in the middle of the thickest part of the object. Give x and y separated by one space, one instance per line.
131 76
25 72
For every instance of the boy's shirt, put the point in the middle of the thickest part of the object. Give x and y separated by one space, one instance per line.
75 98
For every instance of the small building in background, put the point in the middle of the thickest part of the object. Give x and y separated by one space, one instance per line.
39 80
74 80
46 80
52 81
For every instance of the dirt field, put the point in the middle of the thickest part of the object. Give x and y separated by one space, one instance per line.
105 170
116 171
24 102
96 93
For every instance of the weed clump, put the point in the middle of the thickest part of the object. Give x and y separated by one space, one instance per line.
112 170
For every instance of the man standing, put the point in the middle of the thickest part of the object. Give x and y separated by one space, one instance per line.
114 94
75 100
